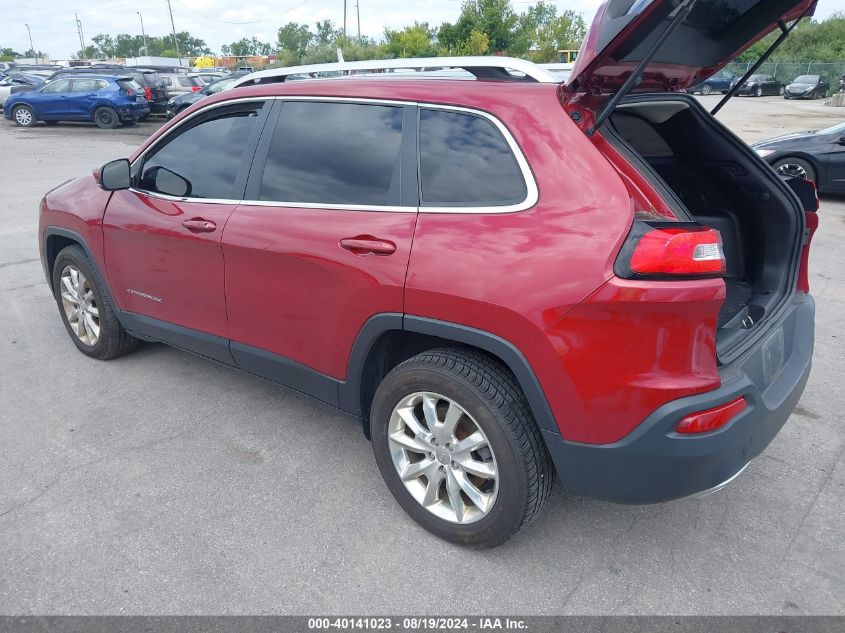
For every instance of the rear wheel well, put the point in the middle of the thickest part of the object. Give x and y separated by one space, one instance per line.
395 347
53 245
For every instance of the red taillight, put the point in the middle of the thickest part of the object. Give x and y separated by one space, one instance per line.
679 251
712 419
148 93
195 88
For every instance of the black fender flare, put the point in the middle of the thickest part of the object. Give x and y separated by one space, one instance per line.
349 392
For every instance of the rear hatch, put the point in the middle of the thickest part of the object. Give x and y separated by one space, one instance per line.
696 170
712 34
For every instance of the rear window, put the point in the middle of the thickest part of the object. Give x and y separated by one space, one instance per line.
187 82
334 153
466 162
129 84
152 79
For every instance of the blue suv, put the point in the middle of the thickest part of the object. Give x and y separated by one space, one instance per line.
107 100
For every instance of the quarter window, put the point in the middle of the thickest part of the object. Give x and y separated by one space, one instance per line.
203 161
334 153
466 162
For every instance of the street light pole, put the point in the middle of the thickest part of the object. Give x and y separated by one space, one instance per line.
31 46
143 34
358 11
173 26
344 21
81 37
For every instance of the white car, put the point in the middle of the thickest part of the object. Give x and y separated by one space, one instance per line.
6 84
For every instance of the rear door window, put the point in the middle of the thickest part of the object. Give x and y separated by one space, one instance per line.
334 153
465 161
88 85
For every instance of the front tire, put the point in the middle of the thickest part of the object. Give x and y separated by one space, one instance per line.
759 92
24 116
86 309
706 90
106 118
455 441
797 167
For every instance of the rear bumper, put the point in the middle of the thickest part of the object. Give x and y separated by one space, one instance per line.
653 463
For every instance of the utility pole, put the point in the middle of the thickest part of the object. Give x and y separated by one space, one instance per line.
81 37
173 26
31 47
143 34
358 11
344 21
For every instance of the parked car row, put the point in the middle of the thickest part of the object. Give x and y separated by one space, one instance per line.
759 85
107 94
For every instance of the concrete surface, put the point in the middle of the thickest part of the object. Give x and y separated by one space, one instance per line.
162 483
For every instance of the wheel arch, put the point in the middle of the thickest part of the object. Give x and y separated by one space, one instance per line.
55 240
387 340
813 160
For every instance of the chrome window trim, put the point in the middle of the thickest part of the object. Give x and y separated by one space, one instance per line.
532 192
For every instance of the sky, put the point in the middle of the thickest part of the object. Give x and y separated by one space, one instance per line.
219 22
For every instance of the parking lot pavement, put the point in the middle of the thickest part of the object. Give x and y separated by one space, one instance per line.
163 483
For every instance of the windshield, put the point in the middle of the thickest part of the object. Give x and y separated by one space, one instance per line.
807 79
839 127
220 86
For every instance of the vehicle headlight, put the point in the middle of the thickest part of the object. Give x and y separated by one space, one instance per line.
762 153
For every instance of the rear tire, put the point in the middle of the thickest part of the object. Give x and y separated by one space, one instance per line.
86 309
443 497
798 167
106 118
24 116
759 92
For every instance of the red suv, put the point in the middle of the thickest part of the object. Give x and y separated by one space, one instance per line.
502 278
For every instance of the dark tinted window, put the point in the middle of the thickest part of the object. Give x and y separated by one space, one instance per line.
203 161
334 153
465 161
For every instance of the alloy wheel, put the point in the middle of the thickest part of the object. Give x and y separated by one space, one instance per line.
23 116
792 169
80 305
443 457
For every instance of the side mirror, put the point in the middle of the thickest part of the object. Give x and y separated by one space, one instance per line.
114 176
841 140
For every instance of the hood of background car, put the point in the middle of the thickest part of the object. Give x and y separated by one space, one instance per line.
790 139
714 32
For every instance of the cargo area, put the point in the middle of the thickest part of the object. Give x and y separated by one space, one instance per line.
709 176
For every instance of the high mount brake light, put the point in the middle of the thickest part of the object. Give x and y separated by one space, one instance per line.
148 93
672 250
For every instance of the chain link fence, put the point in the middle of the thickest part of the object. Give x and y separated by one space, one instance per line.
785 72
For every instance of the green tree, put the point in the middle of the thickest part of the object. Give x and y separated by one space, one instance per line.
293 39
8 54
246 47
412 41
546 32
327 32
476 44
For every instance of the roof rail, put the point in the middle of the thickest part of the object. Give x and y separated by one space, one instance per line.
491 67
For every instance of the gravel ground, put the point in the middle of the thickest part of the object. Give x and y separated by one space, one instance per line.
162 483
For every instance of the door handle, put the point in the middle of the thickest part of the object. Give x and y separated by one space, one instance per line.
198 225
365 245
